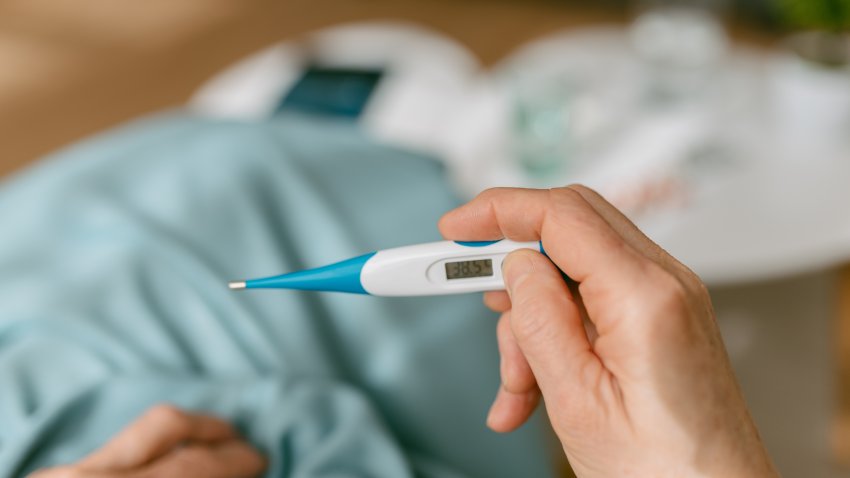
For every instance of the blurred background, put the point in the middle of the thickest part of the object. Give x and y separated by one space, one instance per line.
722 127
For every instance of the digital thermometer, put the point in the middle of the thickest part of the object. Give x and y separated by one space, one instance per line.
437 268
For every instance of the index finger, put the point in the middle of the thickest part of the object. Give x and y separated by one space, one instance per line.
577 239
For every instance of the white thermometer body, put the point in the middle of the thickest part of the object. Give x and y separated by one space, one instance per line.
438 268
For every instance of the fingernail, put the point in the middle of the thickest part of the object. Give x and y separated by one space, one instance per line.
516 266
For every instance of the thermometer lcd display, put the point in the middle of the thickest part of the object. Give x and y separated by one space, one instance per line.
469 269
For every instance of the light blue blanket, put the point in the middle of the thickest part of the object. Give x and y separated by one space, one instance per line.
114 257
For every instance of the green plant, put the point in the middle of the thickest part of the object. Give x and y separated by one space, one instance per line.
825 15
829 45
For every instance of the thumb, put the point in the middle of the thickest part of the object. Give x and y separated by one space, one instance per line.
547 322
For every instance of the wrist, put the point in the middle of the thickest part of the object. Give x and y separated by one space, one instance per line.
741 453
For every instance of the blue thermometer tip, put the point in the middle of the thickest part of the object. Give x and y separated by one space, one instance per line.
342 276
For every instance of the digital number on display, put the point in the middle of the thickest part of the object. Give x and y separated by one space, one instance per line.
468 269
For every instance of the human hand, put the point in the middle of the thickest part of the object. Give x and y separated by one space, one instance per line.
166 442
627 354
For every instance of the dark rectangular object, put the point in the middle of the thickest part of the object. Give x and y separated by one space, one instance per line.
332 91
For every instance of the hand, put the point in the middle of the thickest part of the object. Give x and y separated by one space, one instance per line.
167 442
627 354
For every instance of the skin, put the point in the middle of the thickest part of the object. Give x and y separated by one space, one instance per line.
167 441
626 354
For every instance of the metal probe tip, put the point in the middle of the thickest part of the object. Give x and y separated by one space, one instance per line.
236 285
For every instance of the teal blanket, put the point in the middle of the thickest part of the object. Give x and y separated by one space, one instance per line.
114 257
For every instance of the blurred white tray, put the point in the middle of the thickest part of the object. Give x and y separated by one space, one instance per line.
769 209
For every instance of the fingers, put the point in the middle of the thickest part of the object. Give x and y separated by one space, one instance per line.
517 376
576 237
517 214
497 301
518 394
510 410
618 221
547 324
627 230
154 434
229 459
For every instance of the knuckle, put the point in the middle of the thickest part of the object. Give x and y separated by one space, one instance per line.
700 289
687 275
493 192
565 194
670 293
680 285
165 412
581 188
169 416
